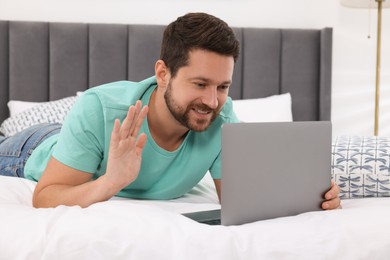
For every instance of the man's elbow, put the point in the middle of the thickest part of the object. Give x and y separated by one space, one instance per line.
38 199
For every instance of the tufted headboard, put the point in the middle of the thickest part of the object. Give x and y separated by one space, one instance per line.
42 61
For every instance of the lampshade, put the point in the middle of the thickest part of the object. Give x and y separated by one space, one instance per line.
365 3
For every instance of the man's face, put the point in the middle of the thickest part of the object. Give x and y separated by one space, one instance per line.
197 93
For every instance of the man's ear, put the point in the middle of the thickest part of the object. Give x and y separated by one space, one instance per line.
162 73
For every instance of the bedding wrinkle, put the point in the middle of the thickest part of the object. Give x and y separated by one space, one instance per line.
75 233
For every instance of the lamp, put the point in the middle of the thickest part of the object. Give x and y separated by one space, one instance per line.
379 4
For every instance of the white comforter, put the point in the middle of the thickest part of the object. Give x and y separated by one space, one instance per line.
131 229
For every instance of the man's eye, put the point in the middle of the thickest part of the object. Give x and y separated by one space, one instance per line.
224 87
200 85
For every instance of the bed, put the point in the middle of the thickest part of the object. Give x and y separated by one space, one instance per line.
44 66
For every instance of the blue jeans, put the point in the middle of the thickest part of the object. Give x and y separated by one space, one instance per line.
15 150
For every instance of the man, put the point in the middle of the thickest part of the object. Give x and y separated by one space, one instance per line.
156 151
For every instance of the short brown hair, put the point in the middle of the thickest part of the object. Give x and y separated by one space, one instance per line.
196 31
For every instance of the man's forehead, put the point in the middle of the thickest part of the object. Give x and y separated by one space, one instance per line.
208 66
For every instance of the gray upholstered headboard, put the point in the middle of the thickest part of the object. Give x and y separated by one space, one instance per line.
41 61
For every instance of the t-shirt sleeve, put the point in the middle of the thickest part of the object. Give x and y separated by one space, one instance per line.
81 141
215 169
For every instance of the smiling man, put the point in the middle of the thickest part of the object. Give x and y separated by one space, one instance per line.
153 139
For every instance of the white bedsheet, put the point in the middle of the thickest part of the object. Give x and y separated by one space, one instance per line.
133 229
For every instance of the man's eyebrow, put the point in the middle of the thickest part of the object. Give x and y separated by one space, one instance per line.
208 80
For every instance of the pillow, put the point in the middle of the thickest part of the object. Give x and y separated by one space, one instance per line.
275 108
361 166
15 106
42 112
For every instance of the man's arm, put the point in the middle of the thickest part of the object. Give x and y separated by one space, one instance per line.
217 183
63 185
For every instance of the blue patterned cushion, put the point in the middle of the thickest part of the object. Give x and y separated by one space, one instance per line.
361 166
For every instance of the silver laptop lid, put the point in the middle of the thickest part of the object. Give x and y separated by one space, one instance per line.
273 170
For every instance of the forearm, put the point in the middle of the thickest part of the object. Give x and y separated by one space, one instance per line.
217 183
82 195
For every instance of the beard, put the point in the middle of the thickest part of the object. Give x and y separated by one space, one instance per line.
183 114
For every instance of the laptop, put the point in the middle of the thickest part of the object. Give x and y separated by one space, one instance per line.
271 170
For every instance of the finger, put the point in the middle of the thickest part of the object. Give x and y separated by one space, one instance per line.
127 122
141 141
336 189
334 185
141 117
331 204
115 132
138 109
333 192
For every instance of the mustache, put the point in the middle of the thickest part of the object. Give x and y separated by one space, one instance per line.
203 107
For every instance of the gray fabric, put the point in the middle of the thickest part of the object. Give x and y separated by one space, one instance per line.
144 50
42 61
4 70
68 59
300 71
28 61
261 55
108 47
236 90
325 81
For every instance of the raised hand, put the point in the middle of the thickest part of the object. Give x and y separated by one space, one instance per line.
125 152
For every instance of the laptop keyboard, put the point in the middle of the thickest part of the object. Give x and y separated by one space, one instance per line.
209 217
212 222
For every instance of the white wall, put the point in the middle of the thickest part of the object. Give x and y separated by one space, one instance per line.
353 53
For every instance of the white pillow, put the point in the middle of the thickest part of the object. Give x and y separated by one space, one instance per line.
275 108
43 112
15 106
79 93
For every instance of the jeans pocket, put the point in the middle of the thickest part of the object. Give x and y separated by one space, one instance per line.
13 145
13 170
42 134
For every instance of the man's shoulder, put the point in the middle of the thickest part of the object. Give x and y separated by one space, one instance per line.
227 114
121 93
124 84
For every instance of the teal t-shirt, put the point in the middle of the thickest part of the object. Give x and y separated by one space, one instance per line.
83 143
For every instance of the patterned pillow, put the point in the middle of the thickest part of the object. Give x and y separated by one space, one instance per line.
361 166
45 112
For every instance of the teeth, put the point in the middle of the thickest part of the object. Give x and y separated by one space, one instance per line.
201 111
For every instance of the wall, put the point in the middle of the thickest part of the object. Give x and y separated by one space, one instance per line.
353 53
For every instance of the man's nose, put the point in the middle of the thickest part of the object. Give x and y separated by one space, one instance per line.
211 98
